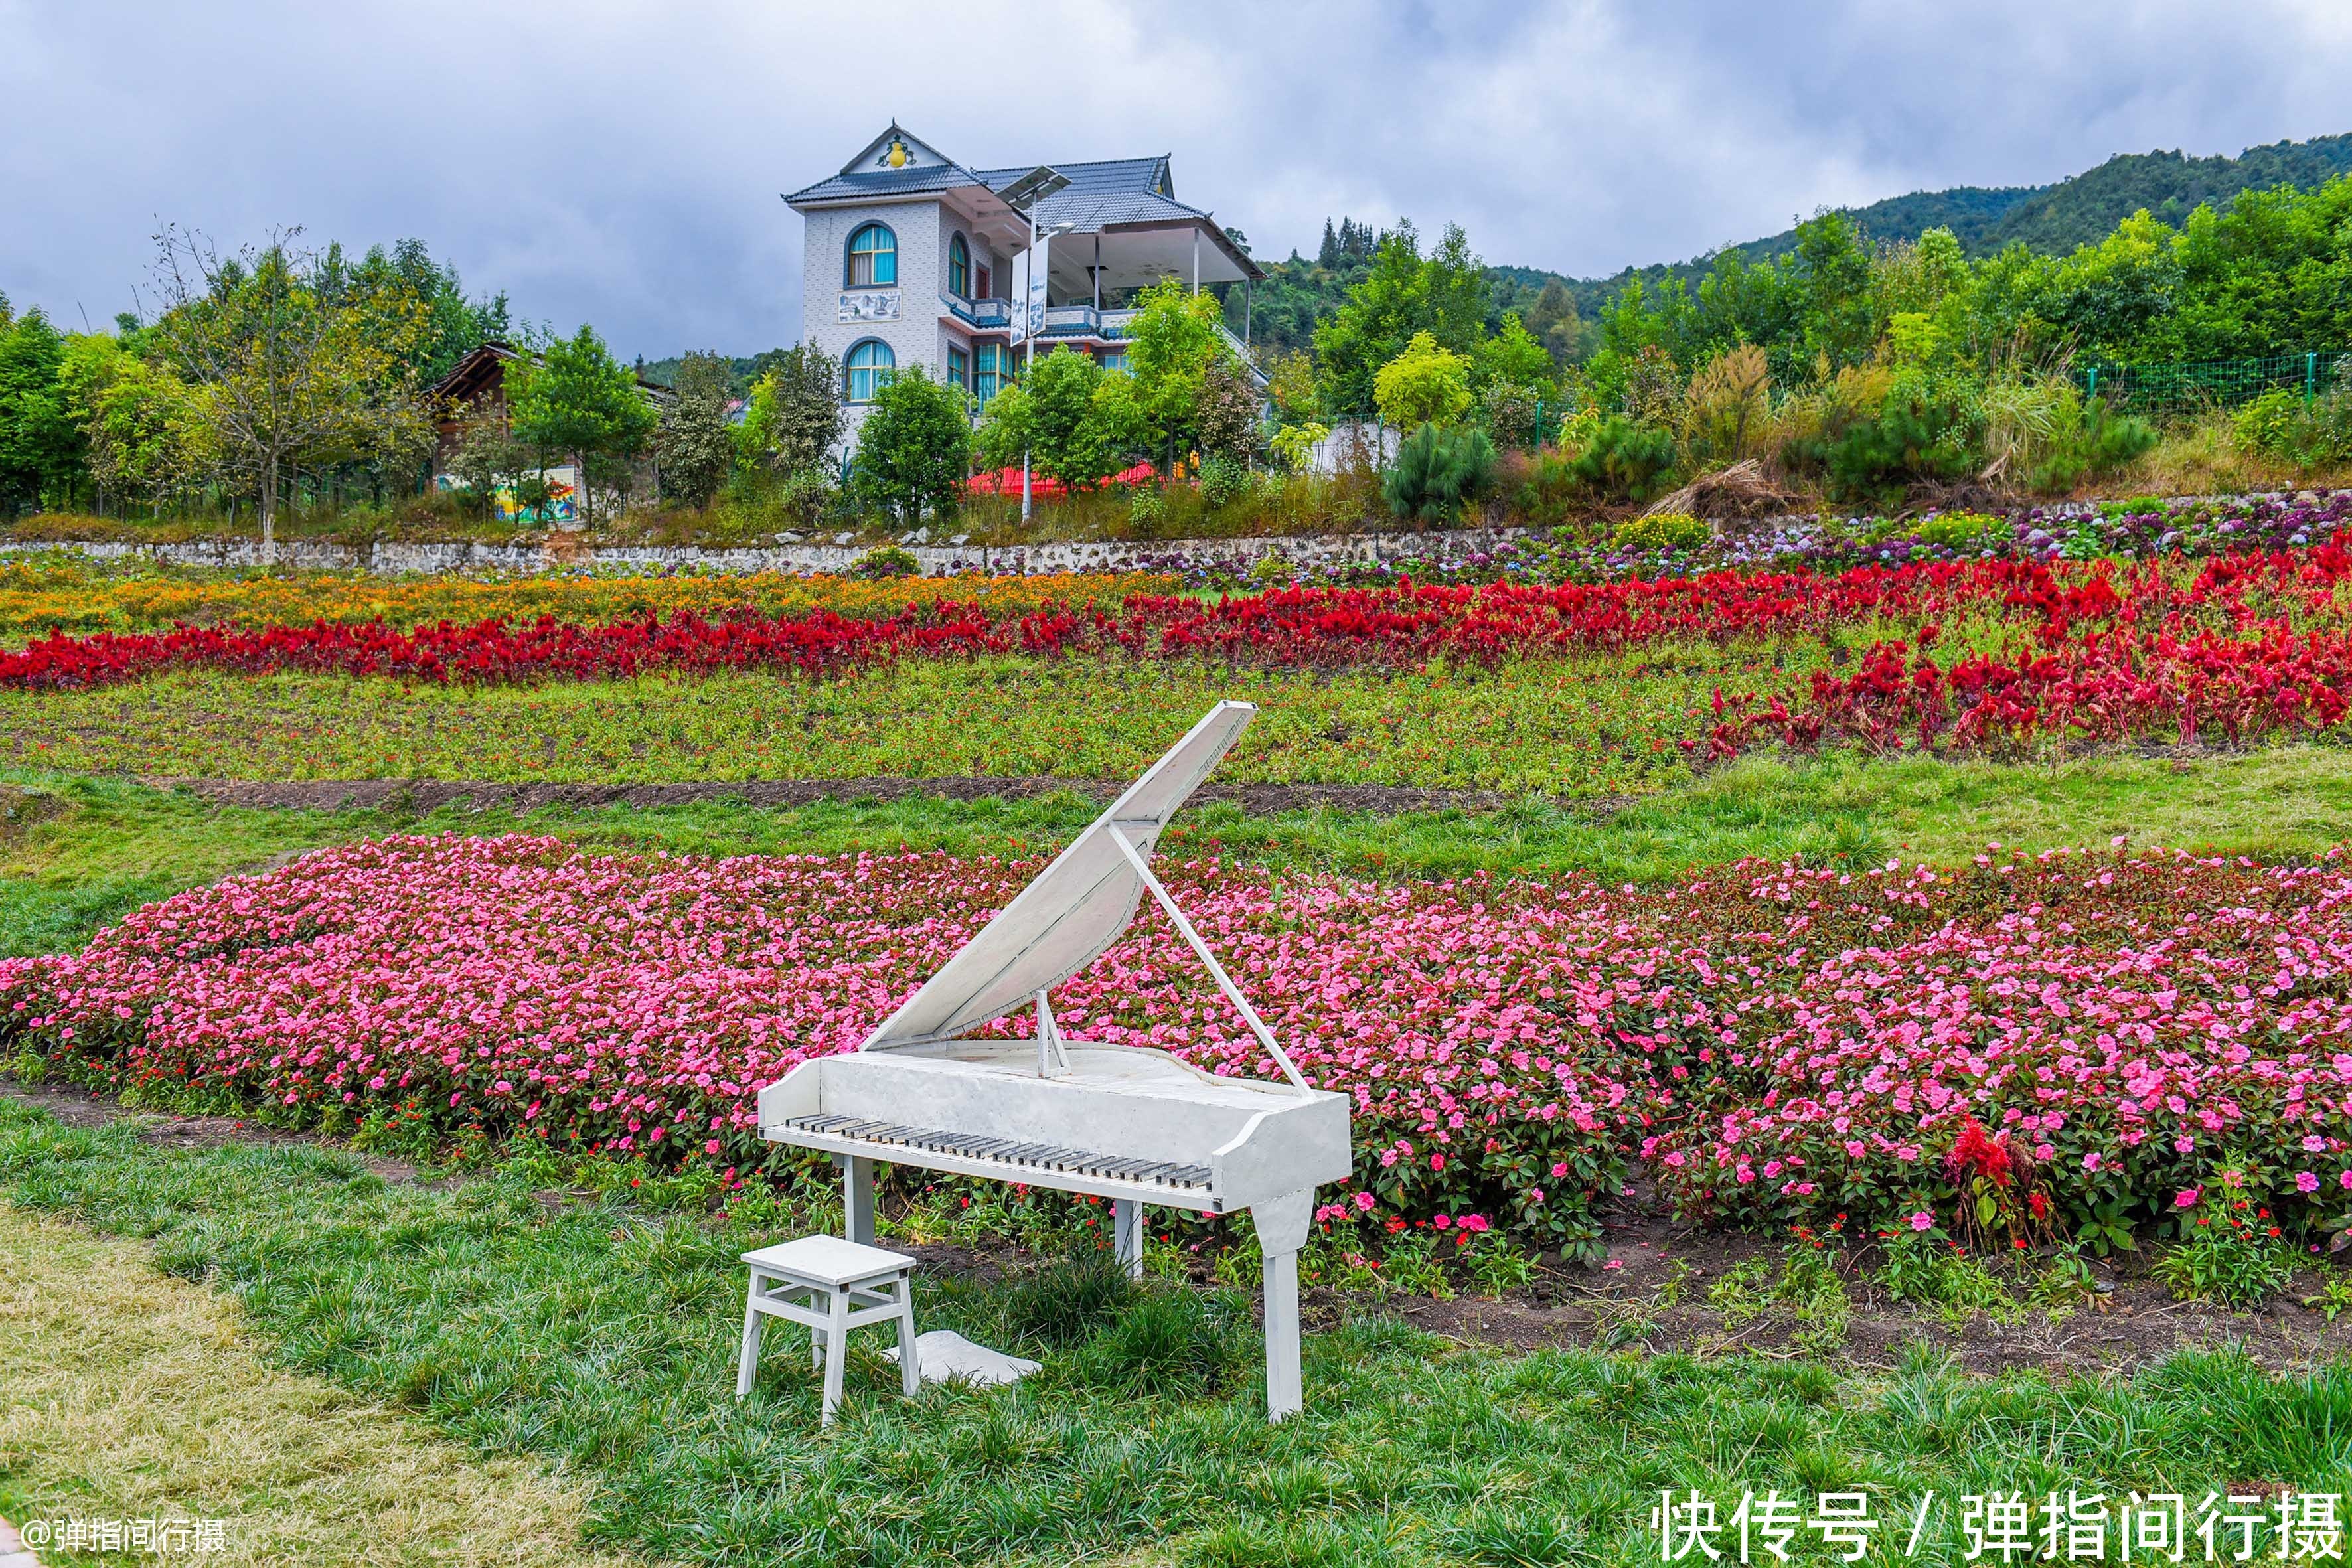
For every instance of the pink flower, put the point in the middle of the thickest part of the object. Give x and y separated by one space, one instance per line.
2185 1199
1364 1202
1614 1263
1922 1220
2304 1181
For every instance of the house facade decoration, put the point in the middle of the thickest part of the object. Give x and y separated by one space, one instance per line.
912 258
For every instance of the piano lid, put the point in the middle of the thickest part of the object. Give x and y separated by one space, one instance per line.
1075 910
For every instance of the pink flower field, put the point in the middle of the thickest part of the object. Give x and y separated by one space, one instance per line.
2064 1043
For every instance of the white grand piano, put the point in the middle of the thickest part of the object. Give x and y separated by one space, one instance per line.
1134 1125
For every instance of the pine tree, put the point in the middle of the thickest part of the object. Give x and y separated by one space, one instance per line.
1329 255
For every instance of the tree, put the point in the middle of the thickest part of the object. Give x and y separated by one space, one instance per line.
450 326
693 443
1170 344
577 400
1512 355
292 369
1292 387
1553 319
794 420
912 448
1226 412
1076 421
1426 385
486 457
40 448
149 432
1373 326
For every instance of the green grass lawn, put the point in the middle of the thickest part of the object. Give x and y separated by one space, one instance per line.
599 1336
85 850
1582 727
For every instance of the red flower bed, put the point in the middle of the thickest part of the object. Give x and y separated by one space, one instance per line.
2239 648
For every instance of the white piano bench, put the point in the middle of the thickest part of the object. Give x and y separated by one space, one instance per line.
831 1286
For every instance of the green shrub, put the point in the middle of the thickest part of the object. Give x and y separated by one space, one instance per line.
2284 426
1666 533
1223 479
887 561
2101 444
1438 472
1625 460
2228 1263
1921 436
1147 511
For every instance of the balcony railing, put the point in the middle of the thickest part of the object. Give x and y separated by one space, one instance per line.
984 314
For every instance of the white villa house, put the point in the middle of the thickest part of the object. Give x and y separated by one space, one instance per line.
912 258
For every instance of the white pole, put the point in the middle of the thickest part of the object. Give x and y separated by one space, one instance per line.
1028 337
1196 258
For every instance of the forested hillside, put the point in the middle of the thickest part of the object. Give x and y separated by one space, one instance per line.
2050 220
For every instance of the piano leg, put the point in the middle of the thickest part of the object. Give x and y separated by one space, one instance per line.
856 1199
1126 1230
1281 1231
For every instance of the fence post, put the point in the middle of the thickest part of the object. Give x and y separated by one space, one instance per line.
2310 367
2093 390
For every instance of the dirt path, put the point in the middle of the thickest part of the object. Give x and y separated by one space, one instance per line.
428 794
127 1394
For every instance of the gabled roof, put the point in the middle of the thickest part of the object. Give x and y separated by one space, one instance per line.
471 377
1107 192
1103 193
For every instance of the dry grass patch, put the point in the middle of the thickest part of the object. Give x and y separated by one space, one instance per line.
125 1393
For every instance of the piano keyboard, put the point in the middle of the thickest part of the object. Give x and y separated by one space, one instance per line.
1002 1151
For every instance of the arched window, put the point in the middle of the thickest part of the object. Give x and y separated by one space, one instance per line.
869 364
959 268
873 258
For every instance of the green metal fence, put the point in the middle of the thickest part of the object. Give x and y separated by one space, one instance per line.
2191 386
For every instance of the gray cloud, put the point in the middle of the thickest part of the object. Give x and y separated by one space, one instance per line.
621 163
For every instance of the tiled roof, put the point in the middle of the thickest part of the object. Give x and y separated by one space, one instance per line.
1105 191
869 183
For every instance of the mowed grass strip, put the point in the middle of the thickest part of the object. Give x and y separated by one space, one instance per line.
127 1394
1576 726
600 1335
76 853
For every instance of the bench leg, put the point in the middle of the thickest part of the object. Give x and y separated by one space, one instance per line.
1126 1230
748 1358
910 1369
1281 1232
836 1356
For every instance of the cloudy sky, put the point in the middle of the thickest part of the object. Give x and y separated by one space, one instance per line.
620 163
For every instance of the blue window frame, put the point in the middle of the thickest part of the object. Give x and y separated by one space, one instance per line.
959 268
868 365
873 258
1115 359
959 368
992 369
